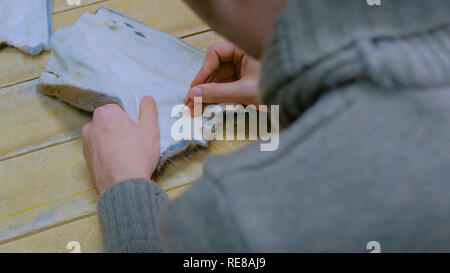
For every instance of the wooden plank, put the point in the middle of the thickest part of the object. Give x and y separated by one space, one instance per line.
31 120
16 66
171 16
86 231
62 5
204 40
51 186
27 207
44 188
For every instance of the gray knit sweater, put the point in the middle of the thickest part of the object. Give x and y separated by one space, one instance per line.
364 94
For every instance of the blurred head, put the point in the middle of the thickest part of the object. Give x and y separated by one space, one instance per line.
247 23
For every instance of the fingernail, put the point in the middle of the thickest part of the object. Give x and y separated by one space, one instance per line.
197 92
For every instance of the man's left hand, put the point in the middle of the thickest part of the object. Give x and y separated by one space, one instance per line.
117 149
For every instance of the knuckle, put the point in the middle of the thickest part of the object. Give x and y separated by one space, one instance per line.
223 44
105 111
212 49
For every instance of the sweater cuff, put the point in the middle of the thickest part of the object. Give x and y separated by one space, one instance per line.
128 213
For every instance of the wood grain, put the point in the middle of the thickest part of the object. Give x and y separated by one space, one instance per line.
204 40
171 16
86 231
45 192
31 120
62 5
52 185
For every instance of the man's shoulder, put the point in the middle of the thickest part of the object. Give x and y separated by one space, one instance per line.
349 166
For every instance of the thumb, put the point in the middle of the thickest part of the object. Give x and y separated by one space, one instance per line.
148 115
218 92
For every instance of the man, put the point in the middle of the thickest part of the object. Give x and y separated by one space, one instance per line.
364 95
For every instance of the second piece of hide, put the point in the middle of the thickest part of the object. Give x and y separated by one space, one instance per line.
26 24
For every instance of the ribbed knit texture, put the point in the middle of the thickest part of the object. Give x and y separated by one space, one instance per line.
321 44
128 214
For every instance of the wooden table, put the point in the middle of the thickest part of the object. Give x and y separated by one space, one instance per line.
46 197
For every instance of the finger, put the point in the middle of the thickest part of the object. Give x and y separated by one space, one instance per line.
226 71
209 67
108 112
87 154
192 93
92 175
203 106
85 151
148 115
197 91
216 54
232 79
219 92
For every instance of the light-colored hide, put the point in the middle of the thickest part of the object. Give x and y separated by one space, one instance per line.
26 24
109 58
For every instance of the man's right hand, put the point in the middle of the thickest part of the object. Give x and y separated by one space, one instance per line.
227 75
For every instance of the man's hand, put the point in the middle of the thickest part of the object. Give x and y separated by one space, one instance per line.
227 75
117 149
